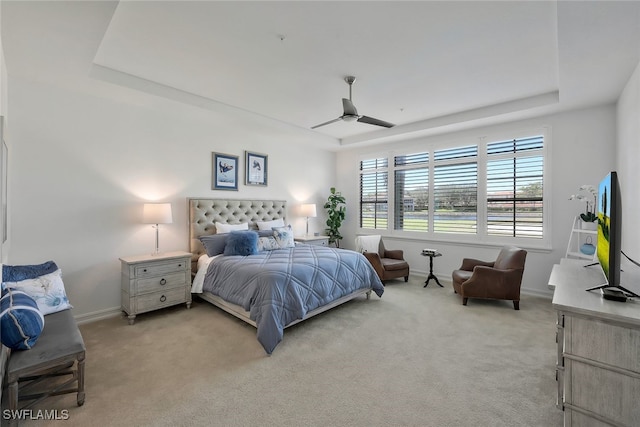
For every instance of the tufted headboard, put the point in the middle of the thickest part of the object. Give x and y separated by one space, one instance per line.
204 213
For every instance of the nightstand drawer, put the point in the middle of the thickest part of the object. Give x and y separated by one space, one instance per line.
157 283
148 302
156 268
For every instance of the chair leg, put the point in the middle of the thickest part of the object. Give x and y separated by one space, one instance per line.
406 279
464 301
516 305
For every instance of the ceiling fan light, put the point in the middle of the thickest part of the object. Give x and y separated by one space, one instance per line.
349 118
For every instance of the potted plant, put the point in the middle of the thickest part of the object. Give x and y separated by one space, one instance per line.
587 193
336 212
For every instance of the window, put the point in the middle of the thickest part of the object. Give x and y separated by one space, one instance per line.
486 191
455 189
411 195
374 193
514 188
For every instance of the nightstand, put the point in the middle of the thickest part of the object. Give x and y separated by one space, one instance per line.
151 282
313 240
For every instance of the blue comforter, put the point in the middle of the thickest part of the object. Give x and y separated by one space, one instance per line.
281 286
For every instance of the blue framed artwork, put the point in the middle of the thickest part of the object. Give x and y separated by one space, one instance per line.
225 172
256 169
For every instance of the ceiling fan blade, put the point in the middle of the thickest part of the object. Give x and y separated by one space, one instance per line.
377 122
327 123
349 108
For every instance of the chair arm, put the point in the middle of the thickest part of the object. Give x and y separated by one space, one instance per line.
375 261
488 282
394 254
468 264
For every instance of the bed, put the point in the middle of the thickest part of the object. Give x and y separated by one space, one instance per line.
273 289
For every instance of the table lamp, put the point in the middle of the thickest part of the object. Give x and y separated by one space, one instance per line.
308 210
157 213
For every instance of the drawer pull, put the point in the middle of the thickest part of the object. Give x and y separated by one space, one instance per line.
145 270
179 265
163 281
163 298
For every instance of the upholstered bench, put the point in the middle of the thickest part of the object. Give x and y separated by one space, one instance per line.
55 353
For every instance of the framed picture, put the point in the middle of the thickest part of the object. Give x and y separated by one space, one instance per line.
225 172
256 168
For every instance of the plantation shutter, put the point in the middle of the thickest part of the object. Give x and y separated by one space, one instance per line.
515 187
455 190
411 195
374 194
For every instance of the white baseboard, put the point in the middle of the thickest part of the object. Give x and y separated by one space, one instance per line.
98 315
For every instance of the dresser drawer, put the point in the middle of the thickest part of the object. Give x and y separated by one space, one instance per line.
159 268
157 283
153 301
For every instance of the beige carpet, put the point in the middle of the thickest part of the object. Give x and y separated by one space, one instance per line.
415 357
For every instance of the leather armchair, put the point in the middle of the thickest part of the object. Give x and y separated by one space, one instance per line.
499 279
388 263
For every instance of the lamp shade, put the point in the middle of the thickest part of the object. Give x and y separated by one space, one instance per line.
157 213
308 210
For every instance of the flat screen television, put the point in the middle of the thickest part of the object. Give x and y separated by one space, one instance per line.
608 247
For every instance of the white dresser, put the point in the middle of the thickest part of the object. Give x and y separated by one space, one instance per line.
150 282
598 361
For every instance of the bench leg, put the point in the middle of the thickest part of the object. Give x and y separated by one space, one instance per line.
81 379
13 400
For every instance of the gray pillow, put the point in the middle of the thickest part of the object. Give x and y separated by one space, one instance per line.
214 244
265 233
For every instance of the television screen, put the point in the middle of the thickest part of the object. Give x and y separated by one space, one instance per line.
609 228
609 246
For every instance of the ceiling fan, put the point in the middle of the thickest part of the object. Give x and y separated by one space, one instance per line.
351 114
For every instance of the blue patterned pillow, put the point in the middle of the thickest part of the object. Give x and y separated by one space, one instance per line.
267 244
242 243
21 322
48 291
284 236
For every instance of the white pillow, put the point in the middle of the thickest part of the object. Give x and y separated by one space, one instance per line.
368 243
267 225
222 228
48 291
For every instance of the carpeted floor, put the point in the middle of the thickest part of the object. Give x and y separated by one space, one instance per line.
415 357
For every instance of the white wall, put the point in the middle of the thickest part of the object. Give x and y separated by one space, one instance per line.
4 244
85 158
576 157
627 161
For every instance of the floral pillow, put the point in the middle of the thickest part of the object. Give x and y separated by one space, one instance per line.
268 244
47 290
284 236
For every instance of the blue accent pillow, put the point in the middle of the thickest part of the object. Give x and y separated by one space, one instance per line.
214 244
242 243
21 322
16 273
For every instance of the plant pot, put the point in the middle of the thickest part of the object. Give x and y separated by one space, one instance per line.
593 226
